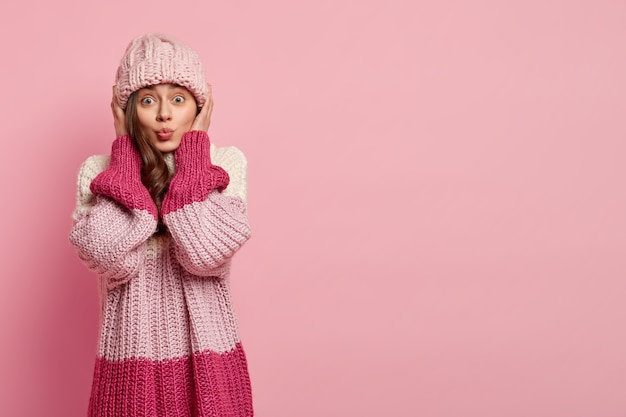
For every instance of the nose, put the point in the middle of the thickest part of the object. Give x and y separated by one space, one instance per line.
164 113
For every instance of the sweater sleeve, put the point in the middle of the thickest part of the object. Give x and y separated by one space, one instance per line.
110 237
206 218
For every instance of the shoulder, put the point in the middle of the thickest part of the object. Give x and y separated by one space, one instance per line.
229 158
89 169
234 161
92 166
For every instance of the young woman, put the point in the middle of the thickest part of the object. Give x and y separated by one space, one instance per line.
159 220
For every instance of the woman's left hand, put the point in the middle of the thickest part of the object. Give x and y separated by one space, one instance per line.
203 119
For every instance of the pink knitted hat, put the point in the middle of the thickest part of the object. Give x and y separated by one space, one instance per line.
155 58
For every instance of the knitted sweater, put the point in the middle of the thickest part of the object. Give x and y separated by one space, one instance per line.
169 344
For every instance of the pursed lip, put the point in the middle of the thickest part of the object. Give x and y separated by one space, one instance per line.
165 134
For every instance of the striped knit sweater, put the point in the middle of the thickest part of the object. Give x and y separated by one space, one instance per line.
169 344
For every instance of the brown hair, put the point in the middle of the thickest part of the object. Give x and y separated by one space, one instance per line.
155 174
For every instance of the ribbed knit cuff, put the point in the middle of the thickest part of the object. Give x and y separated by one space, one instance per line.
126 158
195 175
121 180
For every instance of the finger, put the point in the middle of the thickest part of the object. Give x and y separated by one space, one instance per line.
209 103
115 103
209 94
117 110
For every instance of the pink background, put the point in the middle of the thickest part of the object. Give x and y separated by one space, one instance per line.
436 191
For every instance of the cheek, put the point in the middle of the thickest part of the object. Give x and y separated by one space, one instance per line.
188 118
191 115
143 118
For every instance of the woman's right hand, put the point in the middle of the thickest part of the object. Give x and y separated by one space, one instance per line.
119 117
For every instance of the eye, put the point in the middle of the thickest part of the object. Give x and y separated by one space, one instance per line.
179 99
147 100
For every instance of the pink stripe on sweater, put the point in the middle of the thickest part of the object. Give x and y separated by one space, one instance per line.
169 317
205 384
208 233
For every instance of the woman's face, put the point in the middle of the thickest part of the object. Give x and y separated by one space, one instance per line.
165 112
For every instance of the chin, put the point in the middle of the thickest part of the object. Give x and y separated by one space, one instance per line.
167 147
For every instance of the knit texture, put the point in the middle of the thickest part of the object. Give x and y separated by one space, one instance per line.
169 343
121 181
195 175
155 58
